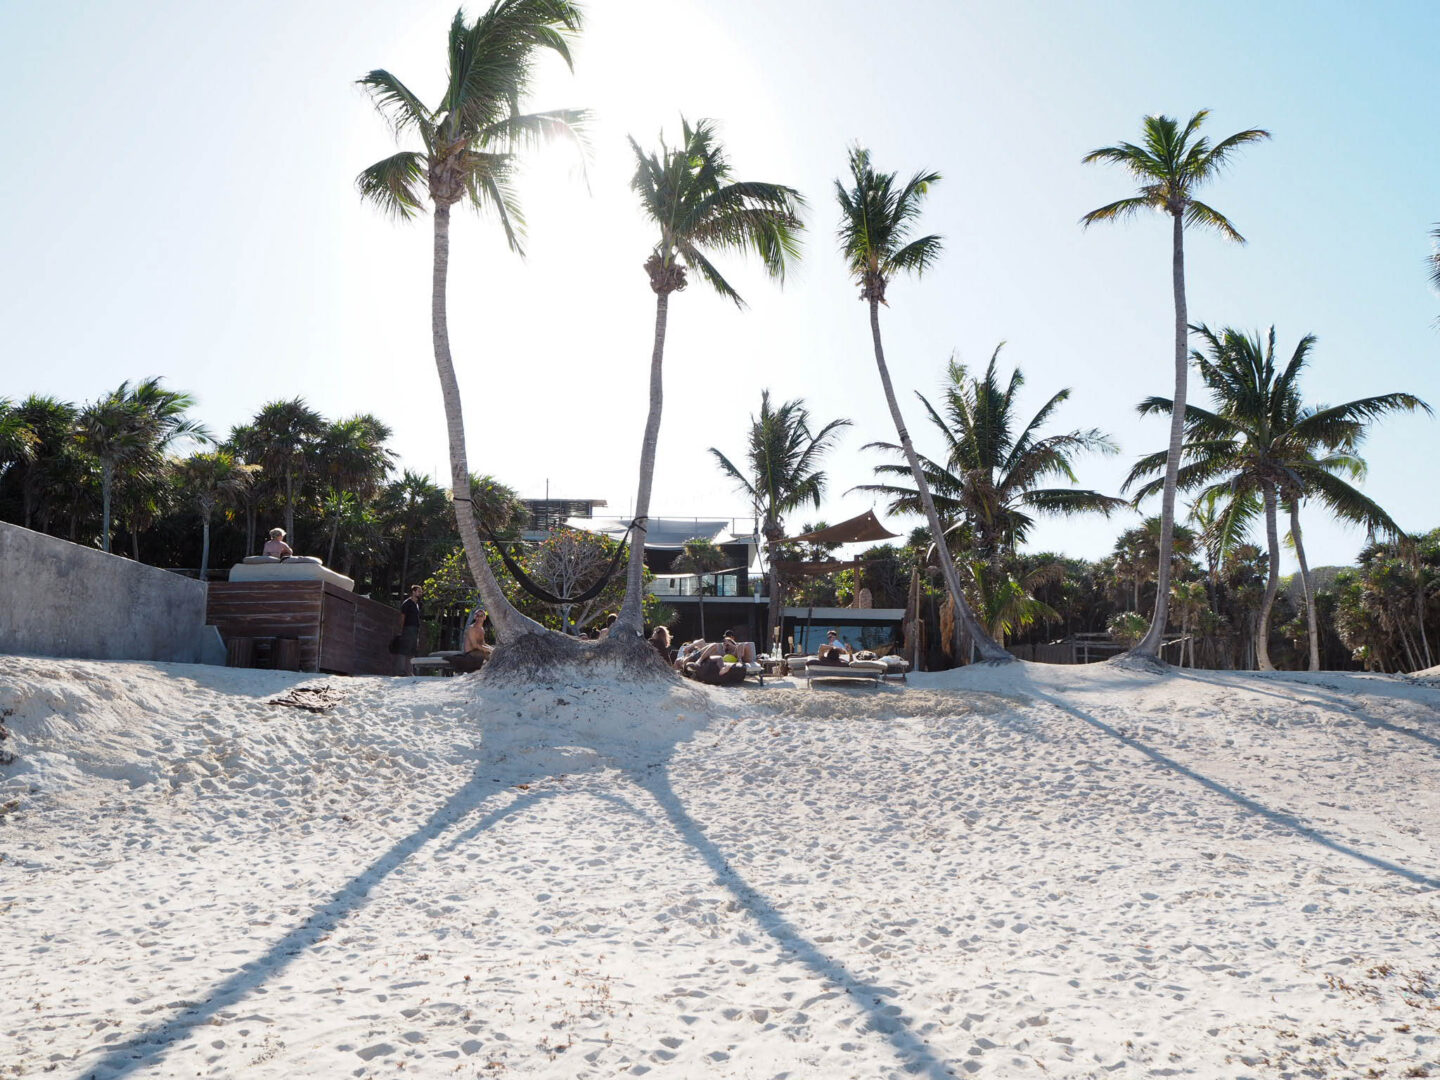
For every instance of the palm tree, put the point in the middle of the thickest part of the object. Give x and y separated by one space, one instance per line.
689 194
699 557
1434 260
990 478
781 475
17 439
209 479
52 465
286 434
1005 602
876 222
467 153
1170 166
1260 443
131 428
410 504
352 458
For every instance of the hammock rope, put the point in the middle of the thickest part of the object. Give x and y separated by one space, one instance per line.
526 582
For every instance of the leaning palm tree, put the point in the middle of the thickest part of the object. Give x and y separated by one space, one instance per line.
688 192
1170 165
781 474
993 479
876 221
468 144
1260 444
208 480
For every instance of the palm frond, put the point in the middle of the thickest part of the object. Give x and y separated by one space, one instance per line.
394 184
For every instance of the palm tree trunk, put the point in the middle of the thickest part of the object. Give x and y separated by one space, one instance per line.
774 613
107 479
508 621
1272 581
1150 644
631 608
1311 620
290 508
988 649
700 578
205 548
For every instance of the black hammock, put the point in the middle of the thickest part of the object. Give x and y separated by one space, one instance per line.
526 582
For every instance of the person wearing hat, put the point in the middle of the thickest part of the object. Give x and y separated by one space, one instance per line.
276 547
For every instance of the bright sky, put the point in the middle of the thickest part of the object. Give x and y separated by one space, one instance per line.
179 202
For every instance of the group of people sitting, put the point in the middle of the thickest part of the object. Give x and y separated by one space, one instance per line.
719 663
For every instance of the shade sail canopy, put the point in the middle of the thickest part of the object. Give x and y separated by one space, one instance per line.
814 569
660 532
858 530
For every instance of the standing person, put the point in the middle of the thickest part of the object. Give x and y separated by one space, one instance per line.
276 547
410 628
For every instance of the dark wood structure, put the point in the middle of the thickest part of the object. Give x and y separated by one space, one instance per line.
336 630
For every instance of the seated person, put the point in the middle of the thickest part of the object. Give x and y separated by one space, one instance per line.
660 638
276 547
743 651
832 639
474 642
715 672
831 656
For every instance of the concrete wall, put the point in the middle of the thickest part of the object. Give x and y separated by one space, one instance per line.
61 599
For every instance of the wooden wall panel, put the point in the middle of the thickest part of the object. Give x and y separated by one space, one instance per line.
337 630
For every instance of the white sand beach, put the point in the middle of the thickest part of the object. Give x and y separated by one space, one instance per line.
1027 871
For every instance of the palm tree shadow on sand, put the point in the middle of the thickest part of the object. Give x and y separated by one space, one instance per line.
1288 822
147 1048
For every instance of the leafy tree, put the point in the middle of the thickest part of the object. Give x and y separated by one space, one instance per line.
781 474
282 440
688 192
17 439
990 479
414 507
877 218
209 479
1259 445
468 145
567 563
1170 166
1006 603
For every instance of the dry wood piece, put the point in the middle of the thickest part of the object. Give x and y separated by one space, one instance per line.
316 699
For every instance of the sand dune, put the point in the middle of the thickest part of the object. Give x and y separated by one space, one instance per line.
1028 871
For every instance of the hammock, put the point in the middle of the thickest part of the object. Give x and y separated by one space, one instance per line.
526 582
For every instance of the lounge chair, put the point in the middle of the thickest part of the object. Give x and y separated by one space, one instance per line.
855 671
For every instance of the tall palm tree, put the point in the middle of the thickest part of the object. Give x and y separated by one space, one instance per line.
352 459
1170 166
1260 442
688 192
209 479
286 434
467 153
877 218
410 504
990 479
701 558
1434 260
781 475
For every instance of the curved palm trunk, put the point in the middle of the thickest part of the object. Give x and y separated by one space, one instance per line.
632 609
1272 582
1150 643
966 621
508 621
1311 621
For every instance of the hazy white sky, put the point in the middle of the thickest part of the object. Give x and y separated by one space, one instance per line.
179 202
